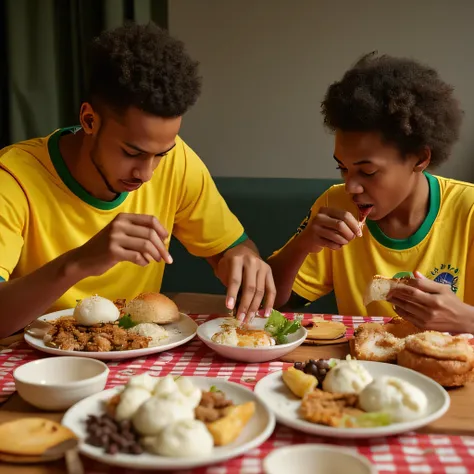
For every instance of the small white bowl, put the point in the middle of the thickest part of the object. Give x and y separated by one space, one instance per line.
249 354
57 383
316 459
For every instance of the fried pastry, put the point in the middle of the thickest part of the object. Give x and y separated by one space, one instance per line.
32 436
449 360
374 342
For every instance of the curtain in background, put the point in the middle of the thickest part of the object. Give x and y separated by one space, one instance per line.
43 61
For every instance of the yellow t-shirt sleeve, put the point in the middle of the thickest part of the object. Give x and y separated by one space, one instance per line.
469 277
13 217
314 278
204 224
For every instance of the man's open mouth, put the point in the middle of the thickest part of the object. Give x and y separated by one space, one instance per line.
364 211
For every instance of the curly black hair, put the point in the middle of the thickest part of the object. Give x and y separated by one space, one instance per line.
407 102
142 66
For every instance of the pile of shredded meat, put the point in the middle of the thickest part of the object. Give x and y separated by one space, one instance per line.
67 335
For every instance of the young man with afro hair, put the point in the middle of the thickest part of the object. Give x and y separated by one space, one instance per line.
90 209
394 121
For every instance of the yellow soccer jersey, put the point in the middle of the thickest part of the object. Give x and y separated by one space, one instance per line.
441 249
44 212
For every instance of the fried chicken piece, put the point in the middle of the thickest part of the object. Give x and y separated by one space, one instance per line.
375 343
139 343
212 406
206 414
66 341
81 337
99 343
327 408
214 400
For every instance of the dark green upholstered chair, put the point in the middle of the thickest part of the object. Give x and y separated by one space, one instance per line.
270 210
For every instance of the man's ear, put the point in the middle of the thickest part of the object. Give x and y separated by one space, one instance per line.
424 159
88 118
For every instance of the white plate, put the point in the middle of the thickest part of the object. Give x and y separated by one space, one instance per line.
249 354
180 332
257 431
286 406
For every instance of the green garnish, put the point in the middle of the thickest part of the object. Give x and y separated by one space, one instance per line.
214 389
366 420
279 327
126 322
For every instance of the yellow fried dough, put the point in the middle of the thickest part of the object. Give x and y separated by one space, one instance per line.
228 428
32 436
326 330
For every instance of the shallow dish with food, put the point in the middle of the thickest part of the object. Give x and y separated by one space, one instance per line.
316 459
179 333
288 407
257 430
208 330
57 383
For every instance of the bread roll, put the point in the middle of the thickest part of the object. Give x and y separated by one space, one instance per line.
380 286
152 308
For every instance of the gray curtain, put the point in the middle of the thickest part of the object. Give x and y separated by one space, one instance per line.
43 52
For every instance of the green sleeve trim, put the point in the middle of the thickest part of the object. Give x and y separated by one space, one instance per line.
2 279
240 240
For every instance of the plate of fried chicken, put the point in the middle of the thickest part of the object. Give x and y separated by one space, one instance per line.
106 330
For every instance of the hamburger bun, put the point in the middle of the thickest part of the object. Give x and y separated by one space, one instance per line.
152 308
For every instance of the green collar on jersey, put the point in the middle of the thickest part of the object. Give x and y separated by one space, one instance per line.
422 232
69 180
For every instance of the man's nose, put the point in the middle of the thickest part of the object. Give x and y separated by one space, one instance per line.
352 186
145 171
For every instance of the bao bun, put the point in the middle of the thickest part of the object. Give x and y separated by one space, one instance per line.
152 308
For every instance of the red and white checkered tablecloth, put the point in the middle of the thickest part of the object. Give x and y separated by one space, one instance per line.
409 453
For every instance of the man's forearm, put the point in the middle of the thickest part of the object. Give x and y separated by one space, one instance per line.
285 266
24 299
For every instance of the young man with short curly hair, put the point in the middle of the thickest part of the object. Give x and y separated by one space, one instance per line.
394 119
90 209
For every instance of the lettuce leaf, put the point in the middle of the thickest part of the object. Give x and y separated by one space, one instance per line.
126 322
214 389
279 327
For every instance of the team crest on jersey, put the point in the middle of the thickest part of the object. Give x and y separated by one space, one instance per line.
403 275
447 274
303 225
